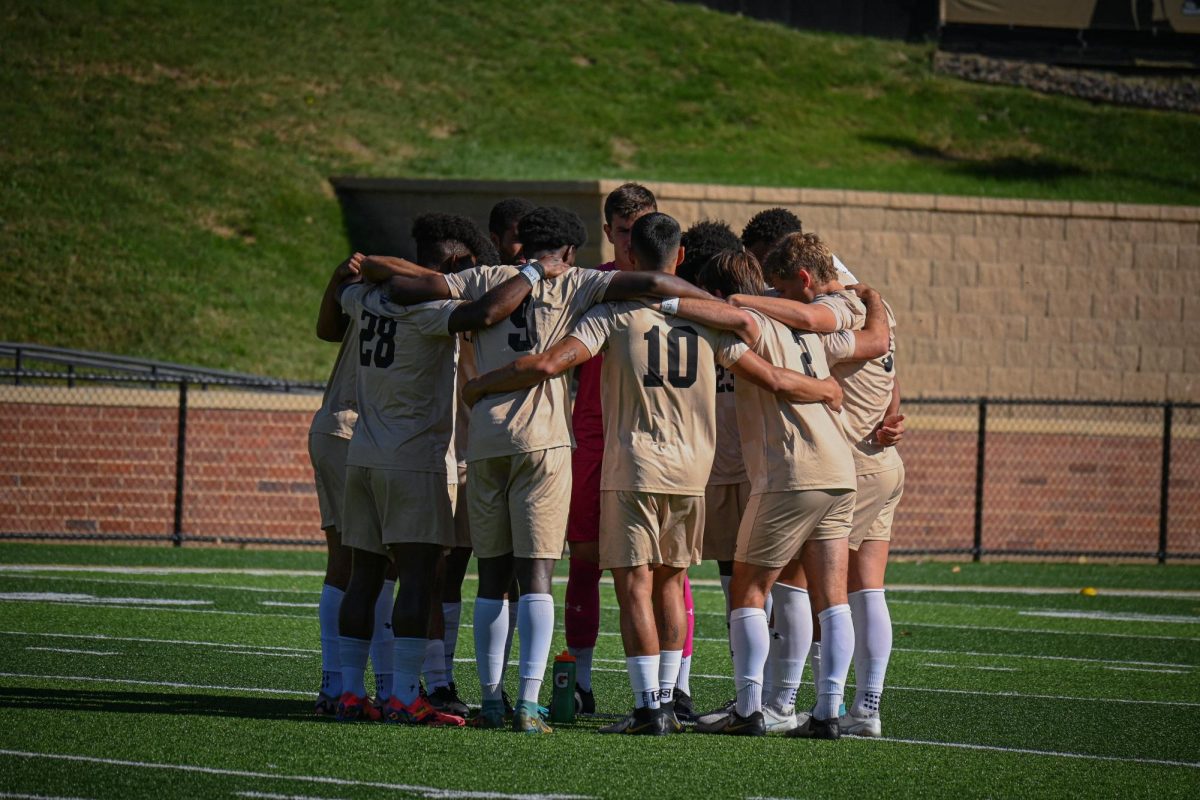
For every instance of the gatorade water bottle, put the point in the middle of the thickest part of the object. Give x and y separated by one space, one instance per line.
562 702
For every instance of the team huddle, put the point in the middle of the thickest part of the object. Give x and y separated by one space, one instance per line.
734 399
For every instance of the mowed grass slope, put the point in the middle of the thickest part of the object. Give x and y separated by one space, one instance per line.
990 694
165 164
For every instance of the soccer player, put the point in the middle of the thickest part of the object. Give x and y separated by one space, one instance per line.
624 206
518 450
399 495
766 229
502 227
659 396
802 498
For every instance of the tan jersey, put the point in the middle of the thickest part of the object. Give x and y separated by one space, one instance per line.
728 466
405 382
658 393
462 414
339 405
866 392
791 446
847 309
537 418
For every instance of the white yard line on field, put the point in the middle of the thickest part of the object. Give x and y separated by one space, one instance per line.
281 604
18 796
424 791
79 652
1113 616
105 637
971 666
168 684
1143 669
1050 753
264 653
314 590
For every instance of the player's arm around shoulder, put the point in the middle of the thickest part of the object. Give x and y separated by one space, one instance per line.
715 314
875 338
499 302
332 321
528 370
815 317
630 285
786 384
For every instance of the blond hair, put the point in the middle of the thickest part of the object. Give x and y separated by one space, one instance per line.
800 251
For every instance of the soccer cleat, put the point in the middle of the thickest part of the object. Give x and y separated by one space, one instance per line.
352 708
527 718
814 728
585 701
673 723
420 712
508 706
852 725
715 716
326 705
641 722
778 721
684 710
734 724
446 700
490 716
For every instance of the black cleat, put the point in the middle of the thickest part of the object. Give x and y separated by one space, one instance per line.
673 723
585 701
814 728
734 724
446 700
641 722
684 710
508 706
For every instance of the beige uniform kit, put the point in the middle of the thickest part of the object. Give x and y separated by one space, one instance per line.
399 489
330 432
462 424
658 393
728 489
519 443
801 471
866 393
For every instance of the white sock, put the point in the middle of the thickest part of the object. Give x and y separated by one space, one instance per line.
769 609
837 649
789 645
872 648
684 683
668 674
409 654
352 653
535 619
383 647
643 677
814 663
331 656
434 665
513 625
491 625
451 613
751 641
583 666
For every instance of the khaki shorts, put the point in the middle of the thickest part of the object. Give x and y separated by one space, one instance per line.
724 506
645 528
519 503
777 524
394 506
878 496
462 528
328 456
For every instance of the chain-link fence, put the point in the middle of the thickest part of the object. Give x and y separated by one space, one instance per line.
222 460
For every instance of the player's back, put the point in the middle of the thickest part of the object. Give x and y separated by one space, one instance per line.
791 446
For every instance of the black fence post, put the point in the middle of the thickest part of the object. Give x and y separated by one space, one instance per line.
980 453
1164 491
17 364
180 461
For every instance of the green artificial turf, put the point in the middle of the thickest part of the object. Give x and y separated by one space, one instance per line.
214 698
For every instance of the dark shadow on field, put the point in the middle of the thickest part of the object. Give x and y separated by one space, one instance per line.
1004 168
157 703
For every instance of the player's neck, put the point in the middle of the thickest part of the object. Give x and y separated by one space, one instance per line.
828 288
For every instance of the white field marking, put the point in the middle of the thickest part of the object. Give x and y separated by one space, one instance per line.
36 796
127 570
269 796
1114 616
169 684
174 610
80 652
261 653
1051 753
282 604
1143 669
105 637
424 791
172 584
1177 594
91 599
1076 659
969 666
902 624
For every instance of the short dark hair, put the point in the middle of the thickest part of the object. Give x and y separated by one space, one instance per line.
801 251
654 240
549 228
701 242
627 200
436 230
770 226
506 212
732 272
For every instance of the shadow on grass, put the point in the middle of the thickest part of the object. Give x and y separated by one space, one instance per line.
157 703
1005 168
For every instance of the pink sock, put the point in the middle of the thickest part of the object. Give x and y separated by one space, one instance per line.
582 614
691 616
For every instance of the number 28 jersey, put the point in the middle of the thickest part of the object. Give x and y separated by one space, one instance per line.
405 385
658 392
537 418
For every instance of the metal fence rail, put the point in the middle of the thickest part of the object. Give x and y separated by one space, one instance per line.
219 459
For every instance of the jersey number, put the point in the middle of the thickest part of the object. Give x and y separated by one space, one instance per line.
806 356
526 337
385 349
724 380
677 378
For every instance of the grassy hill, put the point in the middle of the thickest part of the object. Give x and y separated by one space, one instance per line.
164 164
